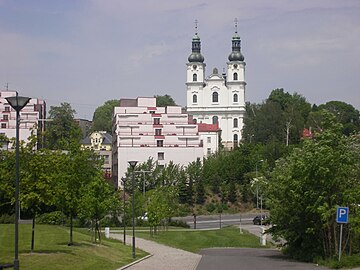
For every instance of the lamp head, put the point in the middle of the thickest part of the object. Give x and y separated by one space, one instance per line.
18 102
132 163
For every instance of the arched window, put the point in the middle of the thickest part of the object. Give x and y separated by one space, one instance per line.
194 98
236 139
235 122
194 121
194 77
215 97
215 120
235 98
235 76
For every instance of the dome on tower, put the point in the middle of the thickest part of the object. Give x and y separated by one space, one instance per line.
196 55
236 55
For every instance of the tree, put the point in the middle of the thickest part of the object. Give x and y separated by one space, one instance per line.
62 131
306 187
163 101
79 167
97 201
102 118
346 114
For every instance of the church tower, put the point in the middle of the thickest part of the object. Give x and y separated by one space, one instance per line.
218 98
195 70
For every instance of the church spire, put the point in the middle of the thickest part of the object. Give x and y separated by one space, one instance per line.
196 56
236 55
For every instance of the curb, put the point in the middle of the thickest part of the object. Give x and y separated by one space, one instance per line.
137 261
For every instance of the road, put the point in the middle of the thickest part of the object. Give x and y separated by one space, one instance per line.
245 259
213 221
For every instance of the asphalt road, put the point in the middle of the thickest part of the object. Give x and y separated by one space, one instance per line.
248 259
215 221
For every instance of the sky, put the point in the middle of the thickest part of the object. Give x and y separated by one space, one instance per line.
86 52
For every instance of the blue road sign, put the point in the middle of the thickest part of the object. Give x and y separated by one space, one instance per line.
342 214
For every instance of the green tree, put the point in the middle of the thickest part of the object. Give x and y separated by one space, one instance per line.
308 185
62 131
102 118
79 167
346 114
98 200
163 101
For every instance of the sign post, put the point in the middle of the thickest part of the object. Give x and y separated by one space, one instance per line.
342 216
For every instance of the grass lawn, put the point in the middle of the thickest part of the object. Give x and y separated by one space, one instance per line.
52 251
194 241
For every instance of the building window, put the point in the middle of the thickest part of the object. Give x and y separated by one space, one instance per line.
3 125
215 120
194 77
158 132
7 109
194 121
161 156
194 98
236 140
156 121
215 97
235 76
159 143
5 117
235 98
209 139
209 151
235 122
106 159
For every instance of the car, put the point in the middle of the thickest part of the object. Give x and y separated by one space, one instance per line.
264 220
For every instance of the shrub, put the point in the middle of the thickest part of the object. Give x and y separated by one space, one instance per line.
53 218
178 223
7 219
210 207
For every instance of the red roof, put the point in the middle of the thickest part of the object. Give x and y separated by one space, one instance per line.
208 127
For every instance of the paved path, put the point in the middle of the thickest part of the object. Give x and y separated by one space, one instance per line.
163 257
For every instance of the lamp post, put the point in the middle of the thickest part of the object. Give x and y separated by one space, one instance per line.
257 183
132 165
17 102
123 179
143 172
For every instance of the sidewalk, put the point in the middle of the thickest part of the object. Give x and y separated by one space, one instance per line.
163 257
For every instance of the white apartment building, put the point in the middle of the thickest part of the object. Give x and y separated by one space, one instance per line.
33 113
141 130
219 98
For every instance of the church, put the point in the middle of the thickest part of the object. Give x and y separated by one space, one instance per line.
218 98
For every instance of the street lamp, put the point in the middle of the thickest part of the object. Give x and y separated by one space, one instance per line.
17 102
257 183
123 179
143 172
132 165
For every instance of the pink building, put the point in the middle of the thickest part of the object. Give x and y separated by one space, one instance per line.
141 130
33 113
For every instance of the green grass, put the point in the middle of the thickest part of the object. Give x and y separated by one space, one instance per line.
346 262
52 252
194 241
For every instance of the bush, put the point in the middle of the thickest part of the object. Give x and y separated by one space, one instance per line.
178 223
210 207
53 218
7 219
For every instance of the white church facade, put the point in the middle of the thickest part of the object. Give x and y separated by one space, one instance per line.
218 98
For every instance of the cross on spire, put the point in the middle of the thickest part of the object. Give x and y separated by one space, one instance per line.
236 25
196 27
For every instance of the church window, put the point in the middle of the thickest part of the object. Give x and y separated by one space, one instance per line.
235 122
235 76
194 77
215 97
194 98
235 98
236 139
215 120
